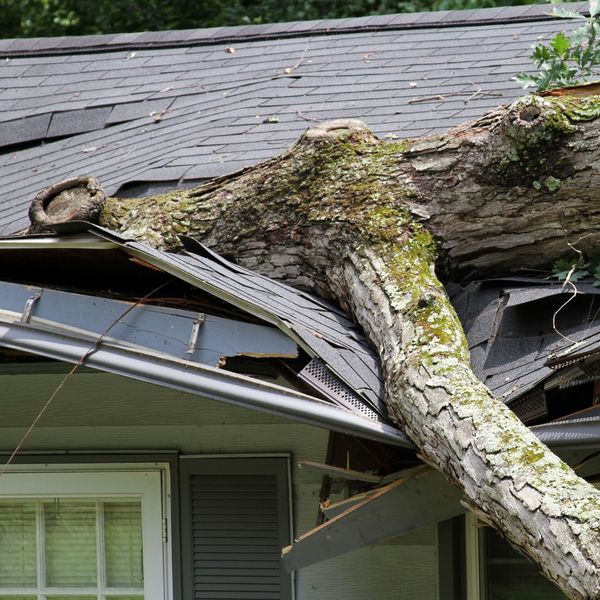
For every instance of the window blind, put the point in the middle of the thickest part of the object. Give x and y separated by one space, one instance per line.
89 545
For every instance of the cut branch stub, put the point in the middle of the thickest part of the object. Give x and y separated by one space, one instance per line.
75 199
337 128
532 122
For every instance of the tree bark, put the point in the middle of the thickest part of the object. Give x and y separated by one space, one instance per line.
364 222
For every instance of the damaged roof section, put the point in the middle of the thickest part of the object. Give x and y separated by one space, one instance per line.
534 343
336 362
326 334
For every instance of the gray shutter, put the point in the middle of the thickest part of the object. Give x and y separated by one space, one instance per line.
235 531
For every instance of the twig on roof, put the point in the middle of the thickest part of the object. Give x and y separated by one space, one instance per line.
568 281
289 70
307 118
428 99
479 93
569 299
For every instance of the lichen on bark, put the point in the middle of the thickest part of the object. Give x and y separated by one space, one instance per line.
364 222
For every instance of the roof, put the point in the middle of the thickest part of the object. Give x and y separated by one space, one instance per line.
150 111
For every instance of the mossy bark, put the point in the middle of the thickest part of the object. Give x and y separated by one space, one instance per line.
364 222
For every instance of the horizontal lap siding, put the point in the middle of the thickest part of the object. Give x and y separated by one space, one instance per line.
235 537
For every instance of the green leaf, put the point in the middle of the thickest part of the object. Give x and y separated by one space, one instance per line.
541 53
572 268
562 264
566 14
577 275
579 35
560 43
594 7
525 80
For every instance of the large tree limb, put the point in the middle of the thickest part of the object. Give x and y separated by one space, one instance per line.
353 217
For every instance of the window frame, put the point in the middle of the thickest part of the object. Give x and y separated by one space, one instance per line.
148 482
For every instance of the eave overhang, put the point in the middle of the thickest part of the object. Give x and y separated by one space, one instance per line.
50 330
322 331
194 378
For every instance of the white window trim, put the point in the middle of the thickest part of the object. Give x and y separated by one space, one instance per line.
474 559
473 556
150 482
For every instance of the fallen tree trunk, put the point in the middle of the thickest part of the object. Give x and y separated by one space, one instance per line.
364 222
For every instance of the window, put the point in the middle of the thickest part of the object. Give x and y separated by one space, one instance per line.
235 520
81 536
510 575
496 571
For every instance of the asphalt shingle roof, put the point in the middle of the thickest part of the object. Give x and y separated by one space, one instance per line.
145 112
514 326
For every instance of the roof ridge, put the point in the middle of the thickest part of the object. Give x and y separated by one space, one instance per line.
23 47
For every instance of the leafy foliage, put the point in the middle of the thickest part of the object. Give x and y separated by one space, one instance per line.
567 59
27 18
575 269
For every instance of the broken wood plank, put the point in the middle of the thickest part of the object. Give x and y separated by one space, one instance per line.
333 509
579 91
400 507
339 472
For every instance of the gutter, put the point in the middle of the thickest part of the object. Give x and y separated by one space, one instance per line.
571 434
200 380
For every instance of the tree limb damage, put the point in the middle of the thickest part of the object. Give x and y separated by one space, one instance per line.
364 223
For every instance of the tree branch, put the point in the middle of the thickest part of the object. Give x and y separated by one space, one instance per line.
364 222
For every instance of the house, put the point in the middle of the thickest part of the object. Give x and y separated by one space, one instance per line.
171 422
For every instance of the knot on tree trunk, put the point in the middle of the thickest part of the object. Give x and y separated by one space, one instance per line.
528 146
528 116
75 199
532 120
351 130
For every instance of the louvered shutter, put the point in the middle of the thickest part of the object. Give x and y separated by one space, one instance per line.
236 526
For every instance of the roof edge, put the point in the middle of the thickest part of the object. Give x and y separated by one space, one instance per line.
24 47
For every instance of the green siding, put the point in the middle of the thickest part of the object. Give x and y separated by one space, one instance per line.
97 411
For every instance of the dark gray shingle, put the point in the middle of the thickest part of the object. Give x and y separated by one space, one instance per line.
359 68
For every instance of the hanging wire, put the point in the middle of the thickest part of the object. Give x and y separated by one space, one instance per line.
76 366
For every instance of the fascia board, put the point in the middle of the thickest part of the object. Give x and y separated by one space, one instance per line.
185 334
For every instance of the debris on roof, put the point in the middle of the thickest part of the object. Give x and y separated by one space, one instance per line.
530 346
